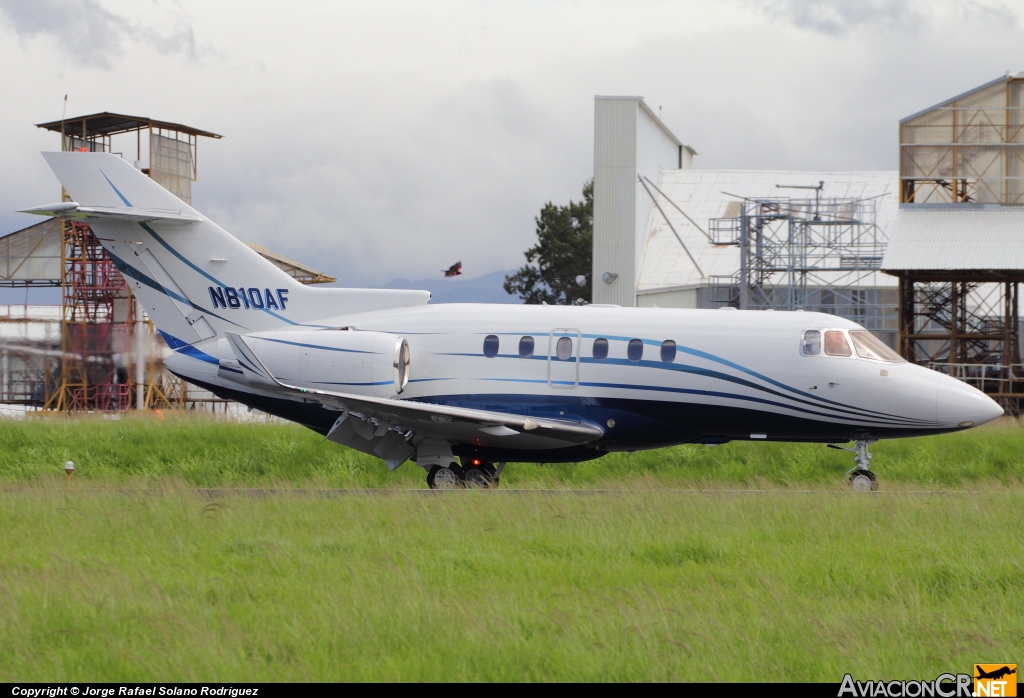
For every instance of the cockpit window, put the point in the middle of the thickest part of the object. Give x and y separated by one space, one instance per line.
811 346
871 347
836 344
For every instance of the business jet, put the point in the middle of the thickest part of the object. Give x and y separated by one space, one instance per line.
461 389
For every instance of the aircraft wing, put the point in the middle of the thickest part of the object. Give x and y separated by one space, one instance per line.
373 417
73 211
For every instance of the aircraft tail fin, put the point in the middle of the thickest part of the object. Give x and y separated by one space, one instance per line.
194 279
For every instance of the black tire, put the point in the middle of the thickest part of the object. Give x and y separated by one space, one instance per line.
863 481
483 476
442 478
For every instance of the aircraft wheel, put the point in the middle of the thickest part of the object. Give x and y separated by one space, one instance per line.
442 478
863 481
483 476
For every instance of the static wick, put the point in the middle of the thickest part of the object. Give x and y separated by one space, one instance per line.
69 468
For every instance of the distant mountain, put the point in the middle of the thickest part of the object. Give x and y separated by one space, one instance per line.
481 289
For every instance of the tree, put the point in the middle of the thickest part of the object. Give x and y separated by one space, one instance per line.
564 250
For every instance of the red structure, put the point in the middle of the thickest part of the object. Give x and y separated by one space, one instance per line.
96 324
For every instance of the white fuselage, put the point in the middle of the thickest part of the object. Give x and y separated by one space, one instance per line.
384 372
732 374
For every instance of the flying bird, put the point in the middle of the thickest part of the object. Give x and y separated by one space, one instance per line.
453 270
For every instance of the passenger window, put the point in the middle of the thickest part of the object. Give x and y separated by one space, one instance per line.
563 349
836 344
526 347
600 349
491 346
668 351
635 350
811 345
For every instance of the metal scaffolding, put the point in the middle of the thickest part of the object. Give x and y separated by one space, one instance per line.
969 149
108 357
29 355
818 254
966 324
95 326
956 236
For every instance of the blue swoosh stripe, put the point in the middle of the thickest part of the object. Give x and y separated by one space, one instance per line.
693 352
251 369
213 279
172 341
187 349
735 396
708 373
130 271
712 393
116 190
316 346
341 383
814 399
859 412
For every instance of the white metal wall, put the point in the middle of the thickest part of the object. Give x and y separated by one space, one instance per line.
629 140
614 199
688 298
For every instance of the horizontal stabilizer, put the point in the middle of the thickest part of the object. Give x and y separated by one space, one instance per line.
69 210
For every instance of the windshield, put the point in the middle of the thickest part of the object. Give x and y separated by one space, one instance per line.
871 347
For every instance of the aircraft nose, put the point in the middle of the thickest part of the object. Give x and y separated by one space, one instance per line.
961 405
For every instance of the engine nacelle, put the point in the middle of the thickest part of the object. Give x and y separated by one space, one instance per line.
342 360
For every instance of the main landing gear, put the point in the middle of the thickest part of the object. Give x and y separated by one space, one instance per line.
445 478
861 479
474 474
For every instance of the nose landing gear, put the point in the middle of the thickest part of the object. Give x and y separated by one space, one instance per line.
863 481
860 477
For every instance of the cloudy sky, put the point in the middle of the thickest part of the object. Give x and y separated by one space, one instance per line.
388 139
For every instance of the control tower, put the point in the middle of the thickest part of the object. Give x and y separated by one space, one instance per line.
109 357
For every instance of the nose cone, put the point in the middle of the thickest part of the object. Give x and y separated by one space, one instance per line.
961 405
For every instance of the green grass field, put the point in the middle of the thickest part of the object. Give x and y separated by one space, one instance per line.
614 570
212 453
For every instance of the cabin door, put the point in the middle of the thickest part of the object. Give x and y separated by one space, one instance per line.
564 358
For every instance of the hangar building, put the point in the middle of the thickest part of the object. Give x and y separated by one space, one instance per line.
926 257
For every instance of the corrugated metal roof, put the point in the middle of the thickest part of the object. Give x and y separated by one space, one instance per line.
958 237
107 124
32 256
300 271
707 194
